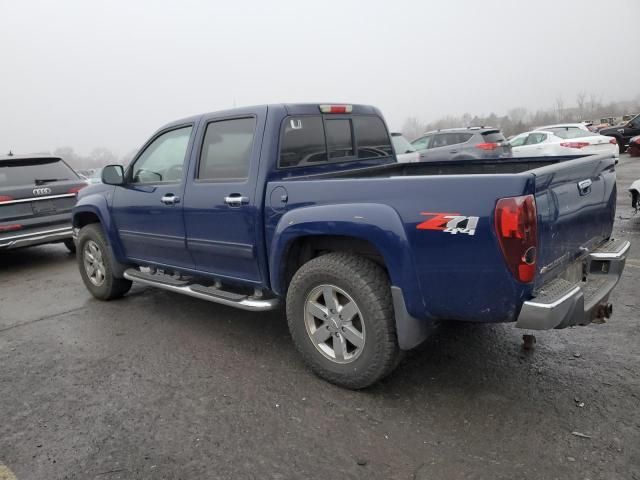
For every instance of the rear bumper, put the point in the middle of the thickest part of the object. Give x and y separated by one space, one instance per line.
49 235
561 303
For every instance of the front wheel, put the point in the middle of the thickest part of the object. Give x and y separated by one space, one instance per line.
95 261
340 315
621 146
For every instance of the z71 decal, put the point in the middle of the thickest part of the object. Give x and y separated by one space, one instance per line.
449 222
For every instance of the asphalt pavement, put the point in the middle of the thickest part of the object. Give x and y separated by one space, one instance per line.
163 386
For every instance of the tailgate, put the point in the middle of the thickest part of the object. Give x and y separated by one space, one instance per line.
575 201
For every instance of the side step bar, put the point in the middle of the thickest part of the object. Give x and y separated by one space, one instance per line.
211 294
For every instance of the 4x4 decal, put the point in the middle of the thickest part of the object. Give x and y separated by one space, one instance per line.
449 222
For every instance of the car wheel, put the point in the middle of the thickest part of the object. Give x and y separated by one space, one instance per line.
95 261
70 244
340 315
621 146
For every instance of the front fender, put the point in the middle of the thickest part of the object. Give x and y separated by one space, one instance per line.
378 224
98 204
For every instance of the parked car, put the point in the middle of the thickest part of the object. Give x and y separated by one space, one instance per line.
624 133
562 141
463 144
37 193
365 253
405 153
634 147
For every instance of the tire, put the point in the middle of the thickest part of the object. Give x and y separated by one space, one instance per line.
353 279
70 244
621 146
102 284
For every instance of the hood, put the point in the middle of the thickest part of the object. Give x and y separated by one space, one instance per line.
94 188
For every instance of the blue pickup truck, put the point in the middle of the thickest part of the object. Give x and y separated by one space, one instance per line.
304 205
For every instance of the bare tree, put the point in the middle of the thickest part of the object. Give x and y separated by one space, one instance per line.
581 99
560 109
518 114
412 128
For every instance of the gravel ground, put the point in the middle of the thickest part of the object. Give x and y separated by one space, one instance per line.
158 385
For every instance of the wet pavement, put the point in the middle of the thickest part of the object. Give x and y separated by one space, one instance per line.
159 385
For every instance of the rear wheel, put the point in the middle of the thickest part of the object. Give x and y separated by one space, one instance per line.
70 244
96 261
340 316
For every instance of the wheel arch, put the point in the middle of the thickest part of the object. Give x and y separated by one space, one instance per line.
372 230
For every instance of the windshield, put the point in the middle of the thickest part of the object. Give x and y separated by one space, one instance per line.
569 132
401 145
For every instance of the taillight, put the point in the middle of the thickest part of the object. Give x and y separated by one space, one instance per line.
76 189
575 144
5 198
517 230
613 141
487 146
336 108
10 228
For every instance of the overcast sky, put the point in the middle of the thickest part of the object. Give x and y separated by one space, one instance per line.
94 73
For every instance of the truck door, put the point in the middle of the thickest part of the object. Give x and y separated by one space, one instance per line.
147 210
222 214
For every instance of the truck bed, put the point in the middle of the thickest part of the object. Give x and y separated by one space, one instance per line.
466 167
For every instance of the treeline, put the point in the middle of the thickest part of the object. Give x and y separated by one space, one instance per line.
97 158
518 120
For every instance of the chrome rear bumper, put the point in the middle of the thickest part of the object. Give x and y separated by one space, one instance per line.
561 303
36 238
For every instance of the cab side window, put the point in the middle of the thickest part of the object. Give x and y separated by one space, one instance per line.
226 149
162 161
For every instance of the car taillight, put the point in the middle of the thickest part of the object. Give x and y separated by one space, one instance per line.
613 141
336 108
5 198
76 189
517 231
487 146
574 144
10 228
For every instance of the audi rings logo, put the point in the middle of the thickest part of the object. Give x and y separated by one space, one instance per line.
42 191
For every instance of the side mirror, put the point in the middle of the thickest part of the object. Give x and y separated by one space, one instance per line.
113 175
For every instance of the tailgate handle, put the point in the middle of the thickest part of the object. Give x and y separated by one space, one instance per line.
585 186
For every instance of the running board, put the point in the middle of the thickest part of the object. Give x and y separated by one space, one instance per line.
202 292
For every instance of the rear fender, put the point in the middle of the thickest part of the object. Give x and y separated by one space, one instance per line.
378 224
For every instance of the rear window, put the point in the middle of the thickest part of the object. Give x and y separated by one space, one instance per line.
303 142
306 139
372 137
493 136
339 138
569 132
16 173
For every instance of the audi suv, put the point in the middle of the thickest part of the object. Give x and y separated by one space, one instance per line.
37 193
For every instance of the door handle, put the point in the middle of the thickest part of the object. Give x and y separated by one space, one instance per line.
170 199
235 200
